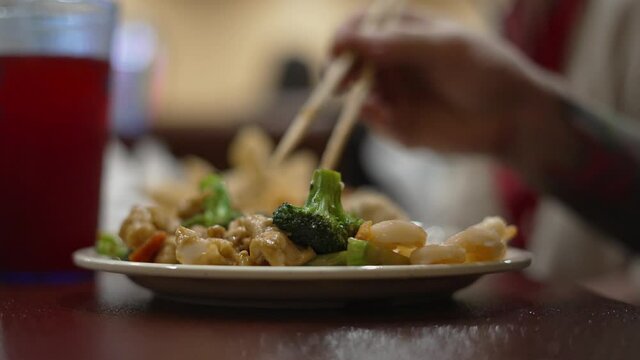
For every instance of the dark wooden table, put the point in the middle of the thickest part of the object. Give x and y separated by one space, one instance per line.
500 317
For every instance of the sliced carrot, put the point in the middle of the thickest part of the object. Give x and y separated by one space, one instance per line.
150 248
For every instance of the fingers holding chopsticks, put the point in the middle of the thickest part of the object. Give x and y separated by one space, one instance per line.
441 85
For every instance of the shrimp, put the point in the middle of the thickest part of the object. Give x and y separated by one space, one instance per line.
485 241
438 254
497 224
397 233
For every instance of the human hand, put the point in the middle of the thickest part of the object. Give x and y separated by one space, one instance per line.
440 85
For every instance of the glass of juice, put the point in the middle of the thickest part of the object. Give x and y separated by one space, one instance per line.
54 87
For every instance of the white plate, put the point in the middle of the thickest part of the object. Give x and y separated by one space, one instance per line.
301 286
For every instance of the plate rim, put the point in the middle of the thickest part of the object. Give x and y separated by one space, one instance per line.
87 258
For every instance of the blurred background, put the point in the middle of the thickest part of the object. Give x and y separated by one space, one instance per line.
191 73
187 74
217 63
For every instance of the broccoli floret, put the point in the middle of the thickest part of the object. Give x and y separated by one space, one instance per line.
217 209
111 245
321 223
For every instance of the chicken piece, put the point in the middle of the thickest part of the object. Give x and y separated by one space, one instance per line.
239 236
195 250
274 247
163 219
244 228
142 222
191 206
167 255
250 240
253 224
201 230
372 205
243 258
216 231
266 243
137 227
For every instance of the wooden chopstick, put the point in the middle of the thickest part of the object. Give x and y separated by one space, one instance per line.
298 128
347 119
322 93
355 99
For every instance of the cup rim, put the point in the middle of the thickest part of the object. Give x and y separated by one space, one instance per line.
23 9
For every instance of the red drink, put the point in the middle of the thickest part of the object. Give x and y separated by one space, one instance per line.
52 134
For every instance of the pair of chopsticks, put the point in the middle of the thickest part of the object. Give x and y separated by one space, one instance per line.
379 16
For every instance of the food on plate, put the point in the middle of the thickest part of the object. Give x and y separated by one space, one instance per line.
112 246
360 252
143 222
212 206
192 248
250 240
139 228
149 249
207 229
438 254
394 233
485 241
255 186
170 194
373 206
321 222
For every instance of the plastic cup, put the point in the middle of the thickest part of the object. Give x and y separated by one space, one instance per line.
54 94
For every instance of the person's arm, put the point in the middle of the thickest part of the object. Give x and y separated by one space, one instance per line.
590 160
440 86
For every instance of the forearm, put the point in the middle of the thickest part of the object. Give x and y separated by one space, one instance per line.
590 161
